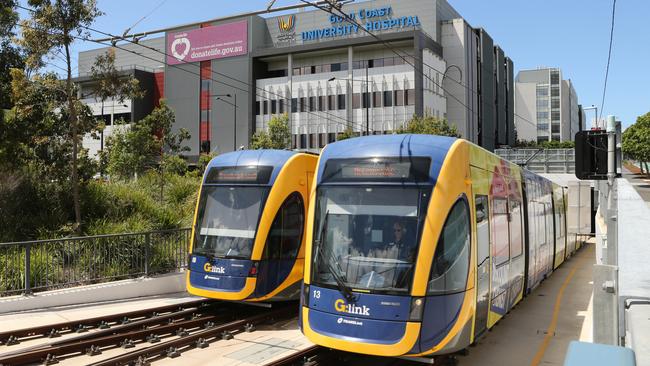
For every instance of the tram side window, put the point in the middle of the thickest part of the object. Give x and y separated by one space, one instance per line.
516 230
499 229
451 259
285 235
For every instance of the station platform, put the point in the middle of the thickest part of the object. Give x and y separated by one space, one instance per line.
539 329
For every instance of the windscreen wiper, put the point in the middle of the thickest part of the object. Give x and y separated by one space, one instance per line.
338 277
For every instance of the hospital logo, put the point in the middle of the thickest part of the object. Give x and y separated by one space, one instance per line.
287 27
342 307
287 24
209 268
180 48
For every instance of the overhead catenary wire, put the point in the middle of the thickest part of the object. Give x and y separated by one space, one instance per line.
609 57
314 113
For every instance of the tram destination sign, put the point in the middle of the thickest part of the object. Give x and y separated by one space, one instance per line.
239 174
377 169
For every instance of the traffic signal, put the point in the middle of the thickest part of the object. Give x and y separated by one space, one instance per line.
591 154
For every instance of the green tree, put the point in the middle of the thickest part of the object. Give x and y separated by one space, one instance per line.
636 141
147 144
347 134
53 27
277 137
428 125
10 55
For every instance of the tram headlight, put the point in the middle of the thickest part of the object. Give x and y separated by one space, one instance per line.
304 296
417 307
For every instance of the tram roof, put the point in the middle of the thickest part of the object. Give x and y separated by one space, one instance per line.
403 146
274 158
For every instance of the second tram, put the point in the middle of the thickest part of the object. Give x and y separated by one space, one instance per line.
247 238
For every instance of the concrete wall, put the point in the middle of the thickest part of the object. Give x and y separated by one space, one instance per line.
109 291
511 134
501 83
182 86
526 111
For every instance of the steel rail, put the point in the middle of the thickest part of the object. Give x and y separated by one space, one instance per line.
200 339
53 330
92 346
147 322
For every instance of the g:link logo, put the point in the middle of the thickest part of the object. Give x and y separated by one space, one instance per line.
342 307
208 268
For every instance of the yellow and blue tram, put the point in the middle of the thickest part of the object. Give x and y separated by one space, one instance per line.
248 233
418 244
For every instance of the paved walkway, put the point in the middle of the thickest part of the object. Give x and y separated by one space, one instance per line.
539 329
640 181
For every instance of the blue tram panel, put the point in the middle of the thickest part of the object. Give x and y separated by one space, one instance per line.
392 245
248 232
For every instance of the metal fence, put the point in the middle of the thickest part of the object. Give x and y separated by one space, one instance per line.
541 160
50 264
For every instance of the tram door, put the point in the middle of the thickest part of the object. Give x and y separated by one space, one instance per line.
483 263
481 190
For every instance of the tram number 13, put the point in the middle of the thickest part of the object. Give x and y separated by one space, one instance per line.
316 294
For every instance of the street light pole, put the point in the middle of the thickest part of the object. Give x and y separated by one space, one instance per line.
234 125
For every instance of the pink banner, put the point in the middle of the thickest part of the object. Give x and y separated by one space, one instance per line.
207 43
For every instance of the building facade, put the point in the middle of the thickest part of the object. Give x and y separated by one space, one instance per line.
546 106
227 78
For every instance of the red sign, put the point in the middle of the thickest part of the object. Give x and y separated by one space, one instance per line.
207 43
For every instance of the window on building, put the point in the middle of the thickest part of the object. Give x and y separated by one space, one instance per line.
341 101
274 106
555 91
555 103
542 127
389 61
294 105
378 62
125 117
294 141
313 140
331 102
399 97
321 103
205 85
555 137
555 115
205 146
281 103
542 138
335 67
326 68
266 106
356 100
410 97
388 98
376 99
365 100
317 69
398 61
542 90
306 70
257 108
303 141
344 66
542 116
555 128
331 137
302 101
542 103
312 104
322 140
296 71
555 77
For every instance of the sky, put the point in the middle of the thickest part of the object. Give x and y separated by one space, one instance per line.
570 34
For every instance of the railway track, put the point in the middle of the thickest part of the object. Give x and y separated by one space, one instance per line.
160 332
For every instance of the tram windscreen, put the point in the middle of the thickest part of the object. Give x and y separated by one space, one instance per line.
367 237
227 220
